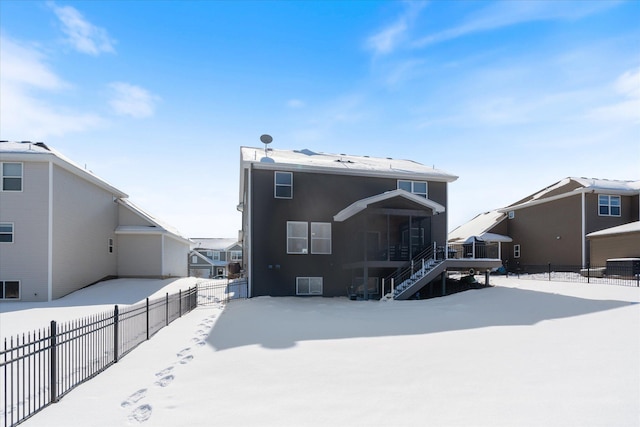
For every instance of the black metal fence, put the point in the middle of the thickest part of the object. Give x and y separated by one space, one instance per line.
38 368
611 275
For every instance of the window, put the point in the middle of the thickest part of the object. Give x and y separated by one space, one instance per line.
416 187
297 236
516 251
512 214
236 255
308 285
608 205
11 176
321 238
283 185
6 232
215 254
194 259
9 289
110 245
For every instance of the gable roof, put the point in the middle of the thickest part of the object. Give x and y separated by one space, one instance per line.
478 226
213 243
28 151
155 225
572 186
360 205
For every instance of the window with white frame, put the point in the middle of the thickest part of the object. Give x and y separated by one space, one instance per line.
9 289
215 255
512 214
283 185
516 251
416 187
308 285
608 205
297 237
6 232
235 255
11 176
321 238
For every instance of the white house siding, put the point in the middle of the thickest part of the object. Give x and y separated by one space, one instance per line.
175 258
26 258
84 219
140 255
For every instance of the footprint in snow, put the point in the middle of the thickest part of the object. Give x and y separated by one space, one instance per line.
134 398
165 381
186 359
141 414
164 372
183 352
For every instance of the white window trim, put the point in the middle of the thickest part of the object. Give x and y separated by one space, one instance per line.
313 238
609 197
276 185
12 233
2 177
235 255
304 250
4 293
308 279
426 184
194 259
516 251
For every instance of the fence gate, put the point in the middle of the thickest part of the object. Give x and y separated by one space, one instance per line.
221 291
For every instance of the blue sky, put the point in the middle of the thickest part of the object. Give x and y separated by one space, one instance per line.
157 97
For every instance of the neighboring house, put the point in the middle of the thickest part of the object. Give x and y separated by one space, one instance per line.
557 225
212 257
320 224
63 228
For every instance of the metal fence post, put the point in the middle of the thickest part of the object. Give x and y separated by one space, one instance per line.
166 309
180 303
147 318
549 270
588 272
53 377
115 334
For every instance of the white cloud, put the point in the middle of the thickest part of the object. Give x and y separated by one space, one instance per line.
626 86
386 40
506 13
26 82
131 100
25 65
81 34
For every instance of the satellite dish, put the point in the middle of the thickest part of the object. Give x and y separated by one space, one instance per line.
266 139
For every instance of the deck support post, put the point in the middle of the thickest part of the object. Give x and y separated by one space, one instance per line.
444 283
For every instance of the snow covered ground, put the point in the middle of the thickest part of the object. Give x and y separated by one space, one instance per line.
524 353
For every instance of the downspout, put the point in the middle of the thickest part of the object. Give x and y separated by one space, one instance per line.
50 237
248 236
583 231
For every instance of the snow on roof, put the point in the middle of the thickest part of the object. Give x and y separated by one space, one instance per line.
160 225
213 243
582 184
342 163
478 226
361 205
10 150
632 227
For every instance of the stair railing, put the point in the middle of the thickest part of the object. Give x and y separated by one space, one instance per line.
420 262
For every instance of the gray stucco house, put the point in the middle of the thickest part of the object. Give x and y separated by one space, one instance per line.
63 228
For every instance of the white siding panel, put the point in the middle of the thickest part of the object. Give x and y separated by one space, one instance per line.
140 255
26 258
175 258
84 218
